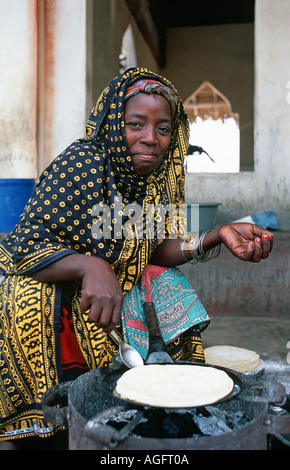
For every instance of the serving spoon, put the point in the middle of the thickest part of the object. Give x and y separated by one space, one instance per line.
128 354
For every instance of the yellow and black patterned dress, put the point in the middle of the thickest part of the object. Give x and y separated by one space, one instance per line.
61 219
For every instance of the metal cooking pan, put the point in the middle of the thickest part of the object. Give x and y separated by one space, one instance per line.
245 387
109 381
157 355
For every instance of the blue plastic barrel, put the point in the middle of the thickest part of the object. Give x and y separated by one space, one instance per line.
14 194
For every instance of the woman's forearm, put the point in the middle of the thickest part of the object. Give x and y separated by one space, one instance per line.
69 268
169 252
101 294
248 242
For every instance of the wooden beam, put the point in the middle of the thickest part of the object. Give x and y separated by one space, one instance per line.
142 15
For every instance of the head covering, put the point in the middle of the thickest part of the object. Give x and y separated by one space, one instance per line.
155 87
94 172
106 126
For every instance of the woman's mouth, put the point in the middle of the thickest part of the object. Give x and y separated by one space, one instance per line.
145 156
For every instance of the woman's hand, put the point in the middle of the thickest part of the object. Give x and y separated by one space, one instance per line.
101 294
248 242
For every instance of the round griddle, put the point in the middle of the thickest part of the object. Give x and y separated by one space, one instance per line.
110 378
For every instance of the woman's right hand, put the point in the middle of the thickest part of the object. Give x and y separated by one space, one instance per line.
101 294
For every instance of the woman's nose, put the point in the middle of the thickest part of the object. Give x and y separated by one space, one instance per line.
149 135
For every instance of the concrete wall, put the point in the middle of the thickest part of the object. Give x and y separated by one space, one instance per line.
228 286
267 187
111 19
45 99
43 81
18 89
224 55
56 57
63 70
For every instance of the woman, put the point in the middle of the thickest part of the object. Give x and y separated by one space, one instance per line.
89 251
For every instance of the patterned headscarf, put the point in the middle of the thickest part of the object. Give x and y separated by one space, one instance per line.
97 171
155 87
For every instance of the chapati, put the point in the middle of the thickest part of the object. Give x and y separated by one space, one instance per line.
231 357
174 385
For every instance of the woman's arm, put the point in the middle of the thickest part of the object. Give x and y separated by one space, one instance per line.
101 293
248 242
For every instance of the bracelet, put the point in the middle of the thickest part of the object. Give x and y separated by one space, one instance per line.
189 242
195 247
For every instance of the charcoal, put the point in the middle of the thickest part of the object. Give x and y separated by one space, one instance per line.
236 419
217 412
211 426
182 423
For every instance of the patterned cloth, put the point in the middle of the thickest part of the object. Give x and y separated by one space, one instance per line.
177 306
63 215
180 314
60 219
153 86
30 353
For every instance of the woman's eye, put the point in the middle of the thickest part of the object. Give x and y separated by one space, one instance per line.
165 130
134 124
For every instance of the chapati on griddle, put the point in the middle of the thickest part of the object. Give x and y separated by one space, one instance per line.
174 385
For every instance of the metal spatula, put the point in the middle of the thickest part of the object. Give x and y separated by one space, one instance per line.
157 350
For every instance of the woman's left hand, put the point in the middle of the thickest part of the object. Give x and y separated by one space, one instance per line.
248 242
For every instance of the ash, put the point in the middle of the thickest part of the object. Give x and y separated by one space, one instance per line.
219 421
182 423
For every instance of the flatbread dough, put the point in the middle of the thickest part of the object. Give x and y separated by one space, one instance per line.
174 386
238 359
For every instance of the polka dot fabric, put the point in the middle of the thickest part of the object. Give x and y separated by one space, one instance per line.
96 172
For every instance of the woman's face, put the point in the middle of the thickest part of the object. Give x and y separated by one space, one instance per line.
147 131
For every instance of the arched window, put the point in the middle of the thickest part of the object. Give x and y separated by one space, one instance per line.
214 128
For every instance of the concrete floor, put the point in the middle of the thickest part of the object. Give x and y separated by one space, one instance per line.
267 336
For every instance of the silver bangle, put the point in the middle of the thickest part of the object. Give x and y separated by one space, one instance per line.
198 253
191 261
210 254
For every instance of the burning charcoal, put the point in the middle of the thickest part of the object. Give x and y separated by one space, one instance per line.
171 424
217 412
152 426
120 417
203 411
237 419
232 419
211 426
180 425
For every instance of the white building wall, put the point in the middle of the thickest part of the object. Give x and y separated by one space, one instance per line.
63 76
43 101
44 81
267 188
272 109
18 88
